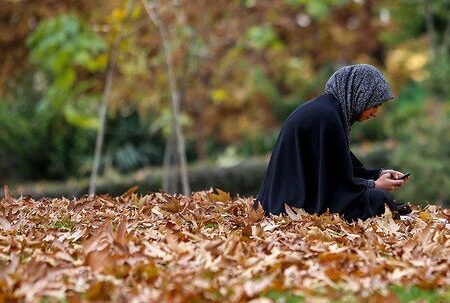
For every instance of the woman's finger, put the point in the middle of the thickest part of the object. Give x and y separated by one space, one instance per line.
397 182
398 174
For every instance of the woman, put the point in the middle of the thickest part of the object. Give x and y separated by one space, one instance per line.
312 167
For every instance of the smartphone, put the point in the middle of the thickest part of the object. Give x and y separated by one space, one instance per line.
403 177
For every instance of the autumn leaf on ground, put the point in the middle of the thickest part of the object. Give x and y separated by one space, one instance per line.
208 247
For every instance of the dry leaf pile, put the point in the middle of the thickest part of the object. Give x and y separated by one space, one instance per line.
207 248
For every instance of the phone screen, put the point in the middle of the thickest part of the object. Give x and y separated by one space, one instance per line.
404 176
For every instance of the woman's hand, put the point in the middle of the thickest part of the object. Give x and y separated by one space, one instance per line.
386 183
393 173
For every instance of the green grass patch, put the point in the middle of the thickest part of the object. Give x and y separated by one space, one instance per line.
405 294
64 225
414 293
211 225
283 296
47 299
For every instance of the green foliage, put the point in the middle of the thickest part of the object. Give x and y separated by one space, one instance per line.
262 143
247 3
375 157
411 20
69 42
399 113
264 85
59 143
419 131
263 36
72 47
317 9
130 145
35 146
393 116
371 130
57 149
424 150
292 89
439 79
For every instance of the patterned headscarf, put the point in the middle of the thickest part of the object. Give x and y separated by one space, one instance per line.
357 88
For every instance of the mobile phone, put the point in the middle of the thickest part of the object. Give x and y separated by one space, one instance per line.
403 177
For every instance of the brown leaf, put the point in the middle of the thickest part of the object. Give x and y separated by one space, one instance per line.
147 272
333 273
193 248
122 237
253 287
221 196
100 291
4 224
425 216
172 206
98 260
101 239
129 192
7 194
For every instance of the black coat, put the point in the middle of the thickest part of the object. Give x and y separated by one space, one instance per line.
312 167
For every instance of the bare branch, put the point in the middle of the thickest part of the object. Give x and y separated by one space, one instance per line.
430 26
153 11
446 39
105 100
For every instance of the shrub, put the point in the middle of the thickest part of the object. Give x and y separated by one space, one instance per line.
424 150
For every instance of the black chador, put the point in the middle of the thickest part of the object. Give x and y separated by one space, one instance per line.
312 167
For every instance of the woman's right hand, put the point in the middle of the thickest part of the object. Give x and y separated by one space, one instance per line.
384 182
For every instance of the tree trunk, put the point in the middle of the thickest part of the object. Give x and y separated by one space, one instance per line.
430 26
104 106
170 176
152 10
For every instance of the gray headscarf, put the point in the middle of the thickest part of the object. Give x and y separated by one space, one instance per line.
358 87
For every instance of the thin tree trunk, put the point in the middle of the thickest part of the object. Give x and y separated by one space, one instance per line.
166 163
152 10
170 176
104 106
430 26
446 38
103 110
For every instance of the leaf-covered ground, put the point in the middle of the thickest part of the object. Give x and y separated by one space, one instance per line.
210 248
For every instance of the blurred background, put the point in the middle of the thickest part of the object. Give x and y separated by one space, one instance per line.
161 88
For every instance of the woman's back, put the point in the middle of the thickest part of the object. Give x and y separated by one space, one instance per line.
296 160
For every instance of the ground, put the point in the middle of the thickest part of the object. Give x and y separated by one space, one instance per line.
210 247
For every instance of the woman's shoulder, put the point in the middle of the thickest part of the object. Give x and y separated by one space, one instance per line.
321 108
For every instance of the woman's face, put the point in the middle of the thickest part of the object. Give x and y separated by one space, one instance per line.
369 113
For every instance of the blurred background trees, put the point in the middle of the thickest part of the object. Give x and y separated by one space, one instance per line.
241 67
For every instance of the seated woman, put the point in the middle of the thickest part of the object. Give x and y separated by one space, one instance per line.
312 167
